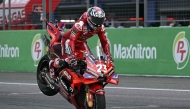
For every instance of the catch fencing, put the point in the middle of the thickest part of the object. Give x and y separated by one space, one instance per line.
28 14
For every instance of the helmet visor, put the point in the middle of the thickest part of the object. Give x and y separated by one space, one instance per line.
96 21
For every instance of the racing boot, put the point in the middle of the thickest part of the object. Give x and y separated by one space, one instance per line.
52 70
54 65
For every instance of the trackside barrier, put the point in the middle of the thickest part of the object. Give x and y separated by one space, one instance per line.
20 50
142 51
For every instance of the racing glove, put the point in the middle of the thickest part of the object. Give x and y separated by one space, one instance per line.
109 59
71 61
59 62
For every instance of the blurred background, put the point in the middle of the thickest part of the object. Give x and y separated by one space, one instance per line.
28 14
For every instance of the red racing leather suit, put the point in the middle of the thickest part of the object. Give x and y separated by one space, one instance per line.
79 34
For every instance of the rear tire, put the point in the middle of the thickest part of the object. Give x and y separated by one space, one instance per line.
43 86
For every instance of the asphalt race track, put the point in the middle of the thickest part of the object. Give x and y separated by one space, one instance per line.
20 91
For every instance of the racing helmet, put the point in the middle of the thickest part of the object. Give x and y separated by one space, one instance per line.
95 17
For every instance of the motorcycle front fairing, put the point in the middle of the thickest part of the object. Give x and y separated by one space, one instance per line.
99 70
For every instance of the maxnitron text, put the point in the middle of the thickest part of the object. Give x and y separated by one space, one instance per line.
134 52
6 51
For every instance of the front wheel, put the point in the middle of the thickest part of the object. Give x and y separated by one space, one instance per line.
99 102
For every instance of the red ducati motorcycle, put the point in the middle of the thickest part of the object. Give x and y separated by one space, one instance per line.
81 85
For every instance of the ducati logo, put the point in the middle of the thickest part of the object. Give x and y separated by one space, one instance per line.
181 50
37 49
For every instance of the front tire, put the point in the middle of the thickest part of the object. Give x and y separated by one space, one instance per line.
100 101
42 70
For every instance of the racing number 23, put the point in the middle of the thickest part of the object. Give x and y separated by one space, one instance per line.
101 68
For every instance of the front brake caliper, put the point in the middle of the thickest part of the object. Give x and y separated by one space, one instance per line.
89 99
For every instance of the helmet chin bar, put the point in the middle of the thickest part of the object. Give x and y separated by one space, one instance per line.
91 25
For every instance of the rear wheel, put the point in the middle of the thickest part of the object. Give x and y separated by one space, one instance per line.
42 71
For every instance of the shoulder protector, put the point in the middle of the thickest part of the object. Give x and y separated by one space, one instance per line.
79 25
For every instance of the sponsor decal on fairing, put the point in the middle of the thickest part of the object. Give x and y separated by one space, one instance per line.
111 72
67 75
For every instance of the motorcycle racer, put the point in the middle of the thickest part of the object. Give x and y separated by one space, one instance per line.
88 25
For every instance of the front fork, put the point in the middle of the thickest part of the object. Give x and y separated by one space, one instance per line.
93 90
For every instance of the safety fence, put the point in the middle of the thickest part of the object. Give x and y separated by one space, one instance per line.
28 14
147 51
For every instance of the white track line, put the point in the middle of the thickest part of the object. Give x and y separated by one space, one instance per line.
28 84
126 88
151 89
25 93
